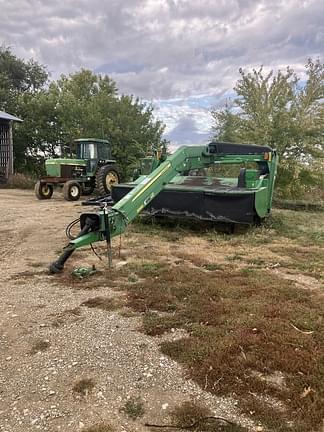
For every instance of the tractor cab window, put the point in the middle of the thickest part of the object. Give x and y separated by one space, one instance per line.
103 151
89 151
93 151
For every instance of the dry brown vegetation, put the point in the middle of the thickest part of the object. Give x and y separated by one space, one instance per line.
83 386
242 313
39 346
194 416
103 303
20 181
133 408
252 334
251 306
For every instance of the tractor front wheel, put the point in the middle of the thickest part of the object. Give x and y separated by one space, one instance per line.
107 176
43 190
71 190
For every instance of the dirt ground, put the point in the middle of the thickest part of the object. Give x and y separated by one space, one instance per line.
48 342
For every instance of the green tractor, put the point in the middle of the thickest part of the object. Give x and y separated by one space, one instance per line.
92 167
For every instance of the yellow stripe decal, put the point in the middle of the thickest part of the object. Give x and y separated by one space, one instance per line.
151 181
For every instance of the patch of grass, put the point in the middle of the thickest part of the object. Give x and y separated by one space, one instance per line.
133 408
247 270
212 266
302 226
99 280
257 262
308 260
132 279
83 386
240 327
193 416
144 268
73 314
197 261
104 303
99 427
235 257
155 324
40 346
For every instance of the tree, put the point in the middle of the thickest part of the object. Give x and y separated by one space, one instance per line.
18 77
88 105
81 105
282 111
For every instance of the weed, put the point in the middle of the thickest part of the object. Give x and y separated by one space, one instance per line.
83 386
193 416
104 303
40 346
212 267
133 408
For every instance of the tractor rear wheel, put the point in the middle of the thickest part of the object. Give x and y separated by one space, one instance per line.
107 176
43 190
71 190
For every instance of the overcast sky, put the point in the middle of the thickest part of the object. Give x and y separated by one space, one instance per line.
183 55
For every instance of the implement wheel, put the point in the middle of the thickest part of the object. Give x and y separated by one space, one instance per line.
71 190
107 176
43 190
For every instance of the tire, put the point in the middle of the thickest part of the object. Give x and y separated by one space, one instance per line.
87 189
43 190
106 177
71 190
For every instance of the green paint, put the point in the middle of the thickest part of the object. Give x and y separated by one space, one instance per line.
167 175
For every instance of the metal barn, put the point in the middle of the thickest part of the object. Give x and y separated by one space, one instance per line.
6 145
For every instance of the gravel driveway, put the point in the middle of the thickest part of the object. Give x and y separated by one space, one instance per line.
48 342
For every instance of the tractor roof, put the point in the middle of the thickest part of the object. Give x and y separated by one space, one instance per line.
92 140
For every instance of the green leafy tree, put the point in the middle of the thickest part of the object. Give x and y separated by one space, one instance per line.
18 77
282 111
81 104
88 105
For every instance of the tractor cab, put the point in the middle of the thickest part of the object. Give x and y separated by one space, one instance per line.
149 163
94 151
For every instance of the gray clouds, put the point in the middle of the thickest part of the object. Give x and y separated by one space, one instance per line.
161 49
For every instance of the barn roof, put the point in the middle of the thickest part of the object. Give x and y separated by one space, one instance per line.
6 116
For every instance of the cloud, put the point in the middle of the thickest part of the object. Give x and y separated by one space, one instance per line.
166 49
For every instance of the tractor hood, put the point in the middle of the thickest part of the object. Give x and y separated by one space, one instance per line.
53 166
